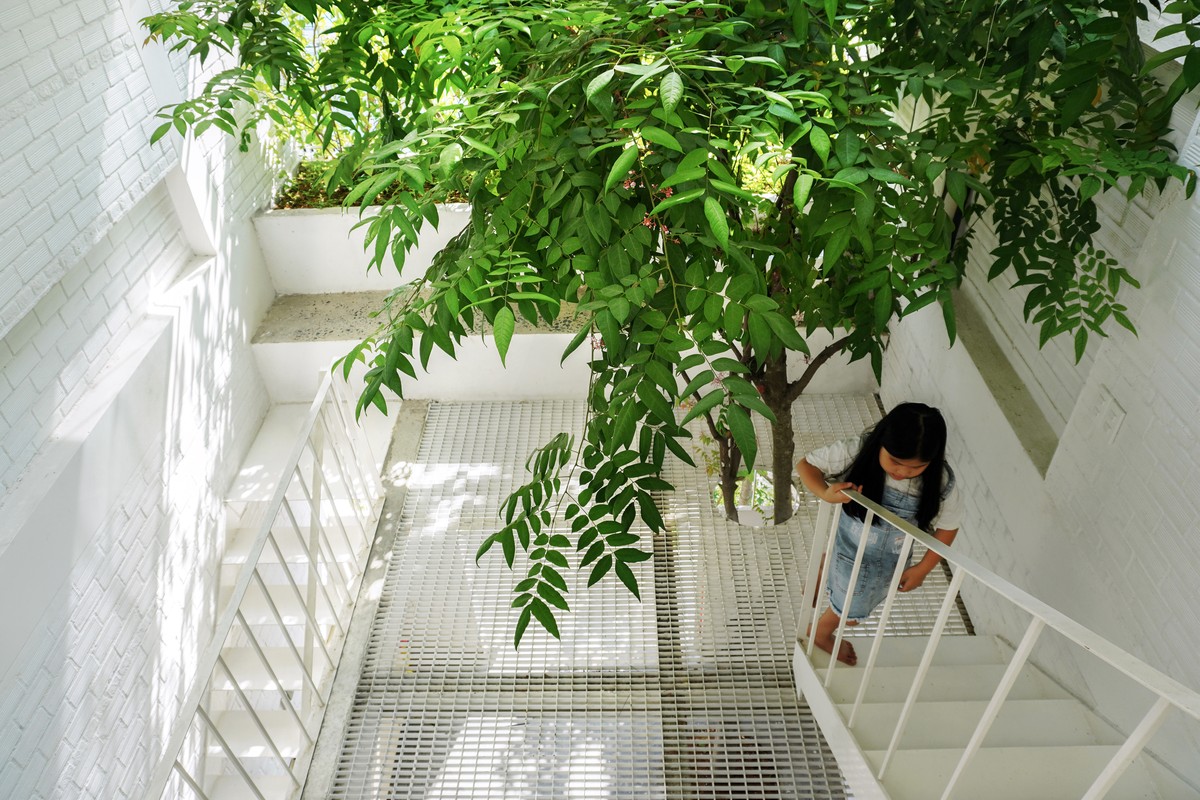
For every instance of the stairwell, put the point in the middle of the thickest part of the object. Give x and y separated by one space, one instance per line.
973 717
264 706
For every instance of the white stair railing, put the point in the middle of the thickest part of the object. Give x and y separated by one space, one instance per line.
287 613
1169 693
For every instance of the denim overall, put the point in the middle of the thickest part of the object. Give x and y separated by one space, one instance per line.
879 560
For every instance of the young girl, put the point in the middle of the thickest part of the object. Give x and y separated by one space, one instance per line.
900 464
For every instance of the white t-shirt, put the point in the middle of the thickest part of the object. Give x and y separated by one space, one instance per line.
836 458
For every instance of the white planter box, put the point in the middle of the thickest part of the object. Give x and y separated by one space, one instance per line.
316 250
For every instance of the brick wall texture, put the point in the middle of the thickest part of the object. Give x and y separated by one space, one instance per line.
94 247
1108 535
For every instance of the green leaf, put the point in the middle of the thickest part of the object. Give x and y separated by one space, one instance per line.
627 577
597 83
659 136
683 176
502 330
478 145
848 148
574 344
948 316
552 596
509 544
677 199
801 190
726 364
600 570
883 306
956 185
621 166
786 330
703 378
545 616
1090 185
704 405
522 624
742 429
819 140
717 221
670 91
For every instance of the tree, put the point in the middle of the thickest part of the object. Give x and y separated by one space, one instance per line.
696 180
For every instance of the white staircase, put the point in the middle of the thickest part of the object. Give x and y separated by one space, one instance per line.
970 717
1043 744
301 518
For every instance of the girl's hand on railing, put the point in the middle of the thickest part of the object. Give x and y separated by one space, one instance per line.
834 494
912 578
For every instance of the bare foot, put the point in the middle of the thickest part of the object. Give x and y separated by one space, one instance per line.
846 653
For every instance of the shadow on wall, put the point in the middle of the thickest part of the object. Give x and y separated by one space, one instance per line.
109 577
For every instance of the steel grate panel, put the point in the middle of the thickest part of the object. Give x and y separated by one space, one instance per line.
688 694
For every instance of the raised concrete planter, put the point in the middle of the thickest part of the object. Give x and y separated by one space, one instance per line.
317 250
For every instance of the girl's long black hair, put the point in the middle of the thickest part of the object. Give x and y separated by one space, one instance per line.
908 431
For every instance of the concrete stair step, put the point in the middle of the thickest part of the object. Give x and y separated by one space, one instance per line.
942 682
1007 773
950 724
257 611
252 675
246 740
265 460
907 651
271 787
240 541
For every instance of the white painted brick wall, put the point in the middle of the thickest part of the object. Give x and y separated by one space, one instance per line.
1109 534
105 613
77 111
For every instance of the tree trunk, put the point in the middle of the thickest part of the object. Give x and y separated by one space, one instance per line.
731 460
783 445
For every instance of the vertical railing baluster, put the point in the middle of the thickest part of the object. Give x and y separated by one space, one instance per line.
366 469
1130 750
345 534
1011 673
923 668
320 585
827 559
847 601
816 551
360 497
884 616
315 438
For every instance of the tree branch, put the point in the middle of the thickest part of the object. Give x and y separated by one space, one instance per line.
797 387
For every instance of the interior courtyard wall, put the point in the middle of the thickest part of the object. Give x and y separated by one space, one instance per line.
128 394
1108 534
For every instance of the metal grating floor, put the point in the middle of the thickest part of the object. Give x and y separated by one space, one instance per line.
687 694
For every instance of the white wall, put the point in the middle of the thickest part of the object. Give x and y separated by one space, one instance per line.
317 250
129 285
1109 534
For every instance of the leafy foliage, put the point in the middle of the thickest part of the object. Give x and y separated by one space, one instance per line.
698 179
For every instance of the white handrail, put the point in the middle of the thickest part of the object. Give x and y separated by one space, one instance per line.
1163 685
368 487
1169 692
